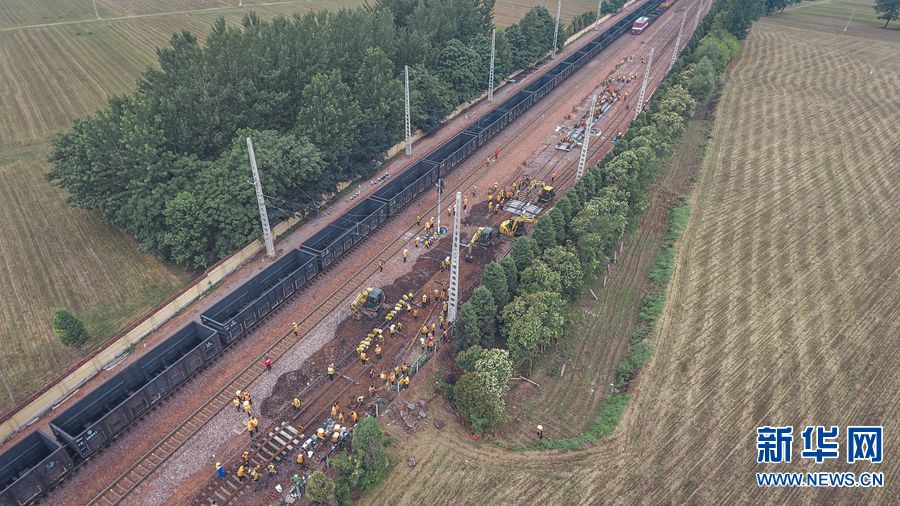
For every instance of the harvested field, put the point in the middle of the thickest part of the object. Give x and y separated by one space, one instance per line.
783 308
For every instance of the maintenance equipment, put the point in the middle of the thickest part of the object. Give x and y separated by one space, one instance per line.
367 302
484 236
514 227
547 193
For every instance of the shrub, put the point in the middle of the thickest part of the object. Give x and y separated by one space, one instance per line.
69 329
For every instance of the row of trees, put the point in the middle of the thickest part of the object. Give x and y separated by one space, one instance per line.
321 94
521 304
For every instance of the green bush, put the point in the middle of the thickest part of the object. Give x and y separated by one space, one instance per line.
69 329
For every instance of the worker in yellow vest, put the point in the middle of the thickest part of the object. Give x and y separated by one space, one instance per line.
331 371
297 403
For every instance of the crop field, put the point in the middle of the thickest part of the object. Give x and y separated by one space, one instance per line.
782 310
58 63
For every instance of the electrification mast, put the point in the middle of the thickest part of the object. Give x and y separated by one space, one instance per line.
556 27
453 289
640 104
491 75
678 41
263 215
406 97
587 136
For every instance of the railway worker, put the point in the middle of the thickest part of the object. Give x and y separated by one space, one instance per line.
360 400
404 368
400 327
427 242
552 176
268 363
445 334
331 371
422 342
424 300
237 402
300 459
405 382
393 378
247 407
392 330
241 472
220 470
429 347
410 308
449 210
418 220
444 295
320 433
446 306
250 427
497 154
382 376
378 350
371 390
490 205
437 294
363 358
433 327
254 473
270 470
247 397
465 204
296 329
354 417
340 418
245 458
335 437
474 190
441 321
335 408
405 254
540 431
424 328
381 264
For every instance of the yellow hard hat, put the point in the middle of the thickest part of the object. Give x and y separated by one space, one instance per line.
218 464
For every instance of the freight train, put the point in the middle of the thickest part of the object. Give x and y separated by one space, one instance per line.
33 466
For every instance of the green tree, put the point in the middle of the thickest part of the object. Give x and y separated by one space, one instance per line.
461 67
531 322
329 115
888 10
478 320
740 14
431 99
524 251
512 274
539 277
69 329
467 358
476 403
494 279
605 216
495 369
485 9
564 261
545 232
320 488
366 464
381 118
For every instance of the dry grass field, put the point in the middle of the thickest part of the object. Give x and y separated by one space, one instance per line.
783 308
58 63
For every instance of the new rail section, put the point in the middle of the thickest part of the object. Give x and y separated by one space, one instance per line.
33 466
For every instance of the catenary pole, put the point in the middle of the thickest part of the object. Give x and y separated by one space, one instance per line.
453 289
260 200
440 190
678 41
640 104
599 15
556 27
491 76
582 160
96 12
407 112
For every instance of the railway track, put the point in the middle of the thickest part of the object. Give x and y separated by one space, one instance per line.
153 459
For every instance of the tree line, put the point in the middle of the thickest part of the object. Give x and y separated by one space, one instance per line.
520 308
321 94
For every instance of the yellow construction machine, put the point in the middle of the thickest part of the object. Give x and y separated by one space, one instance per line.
514 227
546 194
484 236
367 302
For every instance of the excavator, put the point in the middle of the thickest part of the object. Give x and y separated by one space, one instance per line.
484 236
367 302
546 194
514 227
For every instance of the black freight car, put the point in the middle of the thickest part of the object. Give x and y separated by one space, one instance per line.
101 416
407 186
248 304
32 467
